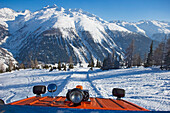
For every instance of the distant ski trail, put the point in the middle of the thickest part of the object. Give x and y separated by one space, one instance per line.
79 77
62 85
94 88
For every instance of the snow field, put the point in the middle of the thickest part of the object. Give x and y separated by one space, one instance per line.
146 87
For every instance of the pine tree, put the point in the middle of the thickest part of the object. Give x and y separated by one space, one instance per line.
45 66
36 64
1 67
71 66
64 67
158 54
7 69
59 65
88 64
54 67
113 54
116 63
1 71
167 55
91 62
105 64
32 64
145 58
149 61
22 66
80 64
137 60
129 54
108 63
10 66
121 62
70 60
14 67
167 60
98 64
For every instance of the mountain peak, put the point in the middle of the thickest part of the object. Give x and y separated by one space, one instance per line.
152 28
53 7
5 10
48 6
7 14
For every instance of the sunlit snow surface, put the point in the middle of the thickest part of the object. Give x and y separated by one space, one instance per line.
146 87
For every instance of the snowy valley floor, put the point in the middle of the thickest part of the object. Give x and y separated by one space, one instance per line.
146 87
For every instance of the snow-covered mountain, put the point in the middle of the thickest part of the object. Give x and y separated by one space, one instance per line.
156 30
52 32
7 14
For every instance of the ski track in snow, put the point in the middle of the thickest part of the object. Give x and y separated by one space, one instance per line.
146 87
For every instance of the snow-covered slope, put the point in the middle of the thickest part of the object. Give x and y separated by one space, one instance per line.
146 87
52 32
156 30
6 15
4 33
5 59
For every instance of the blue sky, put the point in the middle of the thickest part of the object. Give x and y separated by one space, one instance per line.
128 10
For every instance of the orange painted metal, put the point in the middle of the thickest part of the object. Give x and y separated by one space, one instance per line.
79 87
94 103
